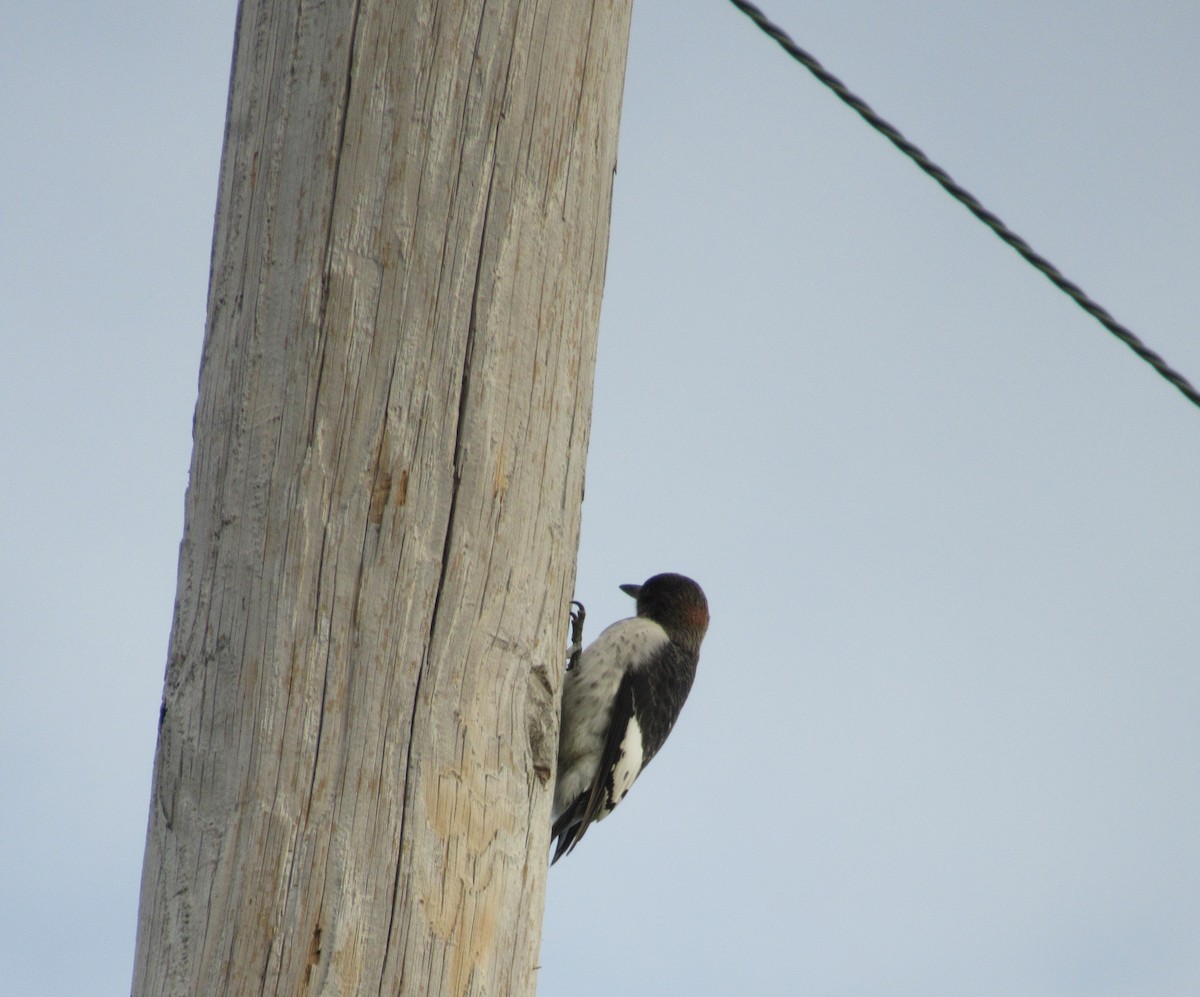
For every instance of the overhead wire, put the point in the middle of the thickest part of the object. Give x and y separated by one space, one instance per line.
969 201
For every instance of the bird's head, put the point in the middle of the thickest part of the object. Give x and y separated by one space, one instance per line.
676 603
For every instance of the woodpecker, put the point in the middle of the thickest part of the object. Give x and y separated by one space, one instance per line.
621 699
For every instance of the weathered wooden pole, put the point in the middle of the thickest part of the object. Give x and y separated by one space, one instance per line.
352 783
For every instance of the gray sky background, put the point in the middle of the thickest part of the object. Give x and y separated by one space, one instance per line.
944 740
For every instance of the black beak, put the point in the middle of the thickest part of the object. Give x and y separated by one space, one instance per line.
631 590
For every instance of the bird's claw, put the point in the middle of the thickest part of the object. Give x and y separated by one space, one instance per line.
576 648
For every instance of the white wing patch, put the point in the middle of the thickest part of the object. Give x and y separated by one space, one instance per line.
629 764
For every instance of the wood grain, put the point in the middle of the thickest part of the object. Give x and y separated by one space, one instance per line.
352 783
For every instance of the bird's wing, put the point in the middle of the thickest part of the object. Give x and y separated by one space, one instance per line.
620 763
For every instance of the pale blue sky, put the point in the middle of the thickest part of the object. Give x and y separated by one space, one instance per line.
944 740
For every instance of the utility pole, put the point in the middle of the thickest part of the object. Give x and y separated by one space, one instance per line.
357 740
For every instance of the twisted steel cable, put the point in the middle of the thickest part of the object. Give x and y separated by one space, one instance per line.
968 200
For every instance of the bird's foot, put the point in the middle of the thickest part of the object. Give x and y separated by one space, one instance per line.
578 614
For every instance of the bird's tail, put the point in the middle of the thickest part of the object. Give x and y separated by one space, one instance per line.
568 828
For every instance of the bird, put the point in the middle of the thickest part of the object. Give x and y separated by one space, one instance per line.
620 700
